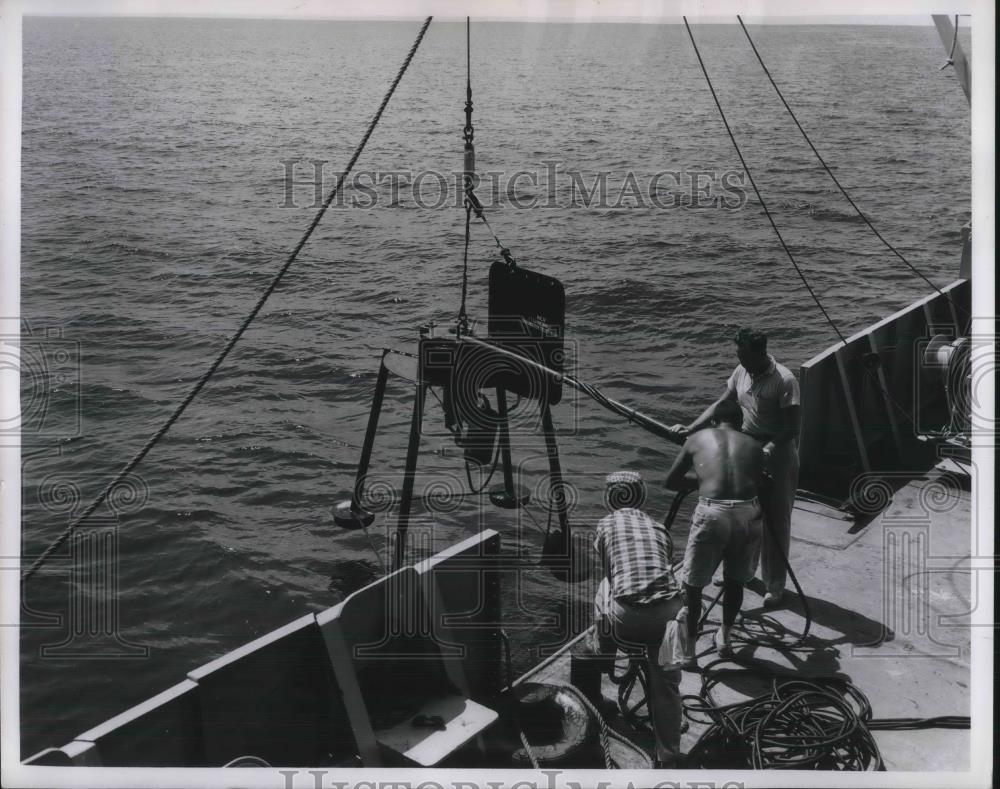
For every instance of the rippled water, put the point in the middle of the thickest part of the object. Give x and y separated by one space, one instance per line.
152 217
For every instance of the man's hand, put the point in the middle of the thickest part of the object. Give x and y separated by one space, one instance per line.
767 452
683 431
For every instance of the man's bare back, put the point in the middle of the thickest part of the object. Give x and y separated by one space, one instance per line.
728 463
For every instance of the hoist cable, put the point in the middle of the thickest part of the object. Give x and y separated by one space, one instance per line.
468 135
472 203
829 172
753 183
463 319
152 441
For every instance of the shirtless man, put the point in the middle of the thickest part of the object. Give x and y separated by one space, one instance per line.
726 526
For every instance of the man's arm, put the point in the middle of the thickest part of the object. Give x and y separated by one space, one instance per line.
789 412
706 415
678 477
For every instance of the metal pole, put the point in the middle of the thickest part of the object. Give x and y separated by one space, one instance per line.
507 496
366 449
555 471
504 438
410 473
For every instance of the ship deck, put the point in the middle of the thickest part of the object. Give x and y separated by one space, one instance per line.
890 601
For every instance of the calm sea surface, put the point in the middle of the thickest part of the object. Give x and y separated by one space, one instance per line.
153 215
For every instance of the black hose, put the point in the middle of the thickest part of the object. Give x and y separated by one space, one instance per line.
818 723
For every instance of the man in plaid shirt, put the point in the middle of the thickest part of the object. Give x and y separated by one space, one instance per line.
637 604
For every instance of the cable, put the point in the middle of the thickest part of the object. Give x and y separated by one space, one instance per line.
463 320
912 724
538 526
152 441
380 560
645 422
753 183
954 43
247 761
833 177
484 483
817 723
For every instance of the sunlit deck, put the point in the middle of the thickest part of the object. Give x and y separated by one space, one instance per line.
890 606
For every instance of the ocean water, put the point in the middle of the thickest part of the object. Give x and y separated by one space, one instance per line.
155 210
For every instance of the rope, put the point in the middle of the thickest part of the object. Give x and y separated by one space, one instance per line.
829 172
604 733
527 748
152 441
753 183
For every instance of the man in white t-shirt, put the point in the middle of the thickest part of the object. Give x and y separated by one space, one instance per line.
768 395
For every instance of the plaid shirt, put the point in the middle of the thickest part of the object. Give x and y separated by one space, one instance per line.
635 554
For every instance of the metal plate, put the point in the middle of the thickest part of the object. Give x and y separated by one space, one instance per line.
527 315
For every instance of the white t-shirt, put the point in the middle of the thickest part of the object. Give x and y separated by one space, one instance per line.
762 396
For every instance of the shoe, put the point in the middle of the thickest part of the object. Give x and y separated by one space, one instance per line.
756 585
723 647
773 599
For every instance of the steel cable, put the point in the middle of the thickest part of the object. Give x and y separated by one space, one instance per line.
753 183
152 441
833 177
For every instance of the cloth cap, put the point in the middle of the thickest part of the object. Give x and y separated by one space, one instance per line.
623 478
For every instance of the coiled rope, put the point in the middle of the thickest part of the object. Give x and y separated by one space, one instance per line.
199 385
834 178
753 183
